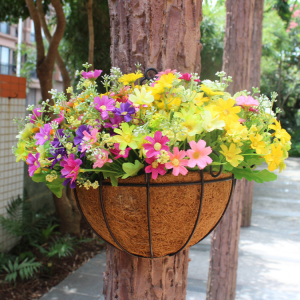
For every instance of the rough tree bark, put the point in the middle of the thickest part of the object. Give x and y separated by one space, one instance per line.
241 60
165 35
89 7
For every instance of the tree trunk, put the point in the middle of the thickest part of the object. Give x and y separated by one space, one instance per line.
224 251
89 7
68 213
132 278
241 60
163 35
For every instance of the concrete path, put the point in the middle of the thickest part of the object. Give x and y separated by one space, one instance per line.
269 251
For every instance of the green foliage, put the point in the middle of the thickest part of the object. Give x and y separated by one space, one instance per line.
12 10
131 169
77 21
25 269
23 222
212 38
257 176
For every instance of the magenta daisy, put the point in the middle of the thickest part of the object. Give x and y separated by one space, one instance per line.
104 105
155 167
198 154
177 162
70 169
33 162
156 144
92 75
246 101
120 153
43 135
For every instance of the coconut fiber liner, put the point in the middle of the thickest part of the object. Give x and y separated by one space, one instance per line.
173 212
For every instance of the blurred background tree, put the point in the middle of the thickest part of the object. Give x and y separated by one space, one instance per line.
280 63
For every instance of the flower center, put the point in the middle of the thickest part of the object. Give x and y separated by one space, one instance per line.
127 138
36 163
124 113
254 144
229 156
103 107
226 112
157 146
196 155
175 162
122 152
154 164
46 137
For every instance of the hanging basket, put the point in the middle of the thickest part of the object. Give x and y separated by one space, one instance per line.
154 218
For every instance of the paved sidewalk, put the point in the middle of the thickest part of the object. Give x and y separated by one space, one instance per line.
269 251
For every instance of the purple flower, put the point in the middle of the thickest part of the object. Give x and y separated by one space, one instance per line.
35 114
114 122
79 137
33 162
92 75
125 110
60 151
70 169
43 135
104 105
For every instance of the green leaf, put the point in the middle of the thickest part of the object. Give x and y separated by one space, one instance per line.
257 176
39 177
131 169
56 186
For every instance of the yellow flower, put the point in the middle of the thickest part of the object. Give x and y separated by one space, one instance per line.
21 152
173 103
166 81
258 144
126 137
209 92
237 131
192 122
231 154
227 111
199 100
141 97
273 159
130 78
26 132
209 123
280 133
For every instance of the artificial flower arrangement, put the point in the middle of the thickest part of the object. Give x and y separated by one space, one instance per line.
173 123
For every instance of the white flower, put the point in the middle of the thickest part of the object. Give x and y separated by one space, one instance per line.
209 123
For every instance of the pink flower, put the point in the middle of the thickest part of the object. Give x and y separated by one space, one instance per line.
70 169
89 139
246 101
155 167
33 162
104 105
187 77
43 135
177 163
256 110
198 154
293 25
158 143
36 113
60 119
296 13
166 72
120 153
242 121
102 159
92 75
